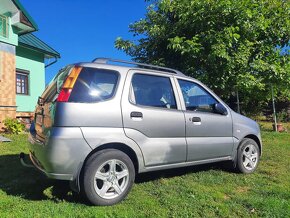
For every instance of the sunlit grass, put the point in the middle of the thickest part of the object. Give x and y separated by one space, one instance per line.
204 191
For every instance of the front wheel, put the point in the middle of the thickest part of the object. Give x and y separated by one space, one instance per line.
108 177
248 156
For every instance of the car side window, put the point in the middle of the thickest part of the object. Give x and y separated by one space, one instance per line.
196 98
153 91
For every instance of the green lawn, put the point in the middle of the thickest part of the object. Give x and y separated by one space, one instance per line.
204 191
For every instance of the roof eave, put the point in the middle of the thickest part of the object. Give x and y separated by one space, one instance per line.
46 53
26 14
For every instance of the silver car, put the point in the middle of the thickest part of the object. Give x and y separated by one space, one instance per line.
99 124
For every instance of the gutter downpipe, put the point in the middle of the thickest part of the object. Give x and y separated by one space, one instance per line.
51 62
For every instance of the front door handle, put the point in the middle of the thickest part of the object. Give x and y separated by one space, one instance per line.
136 114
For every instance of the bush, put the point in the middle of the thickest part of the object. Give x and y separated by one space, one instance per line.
13 126
282 116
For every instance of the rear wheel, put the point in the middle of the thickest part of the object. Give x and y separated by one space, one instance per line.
108 177
248 156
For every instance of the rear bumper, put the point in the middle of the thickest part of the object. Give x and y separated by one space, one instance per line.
61 155
37 165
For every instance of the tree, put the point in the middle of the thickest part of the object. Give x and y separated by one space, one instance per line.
227 44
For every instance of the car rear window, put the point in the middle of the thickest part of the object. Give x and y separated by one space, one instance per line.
53 88
94 85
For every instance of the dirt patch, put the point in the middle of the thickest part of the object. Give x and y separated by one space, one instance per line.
242 189
226 197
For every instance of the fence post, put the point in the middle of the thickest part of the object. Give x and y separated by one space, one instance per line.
274 109
238 102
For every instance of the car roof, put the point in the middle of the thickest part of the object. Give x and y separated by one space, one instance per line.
129 65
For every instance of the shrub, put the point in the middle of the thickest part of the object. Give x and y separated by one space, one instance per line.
282 116
13 126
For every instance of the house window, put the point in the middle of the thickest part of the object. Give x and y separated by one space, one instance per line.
22 82
3 26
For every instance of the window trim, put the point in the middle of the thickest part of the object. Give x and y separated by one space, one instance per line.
205 88
25 73
174 90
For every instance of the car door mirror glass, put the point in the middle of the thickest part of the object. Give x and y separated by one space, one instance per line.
220 109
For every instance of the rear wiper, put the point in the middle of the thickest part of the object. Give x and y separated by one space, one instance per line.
40 101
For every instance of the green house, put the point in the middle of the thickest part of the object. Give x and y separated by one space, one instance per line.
22 61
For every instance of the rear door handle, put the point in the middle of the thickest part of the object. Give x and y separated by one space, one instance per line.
136 114
196 119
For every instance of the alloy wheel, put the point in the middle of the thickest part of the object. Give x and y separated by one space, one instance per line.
111 179
250 157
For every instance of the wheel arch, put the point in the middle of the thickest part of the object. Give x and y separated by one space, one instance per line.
118 146
256 139
75 183
238 143
237 161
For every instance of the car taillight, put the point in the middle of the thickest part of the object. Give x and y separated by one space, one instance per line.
64 95
68 85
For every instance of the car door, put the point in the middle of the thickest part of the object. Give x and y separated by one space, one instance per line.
208 133
153 118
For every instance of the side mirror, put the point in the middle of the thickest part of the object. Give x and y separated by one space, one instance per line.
220 109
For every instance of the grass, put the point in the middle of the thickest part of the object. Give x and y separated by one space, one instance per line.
200 191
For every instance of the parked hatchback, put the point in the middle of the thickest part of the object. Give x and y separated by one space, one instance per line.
99 124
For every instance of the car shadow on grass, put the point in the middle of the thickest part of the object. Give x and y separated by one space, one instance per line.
30 184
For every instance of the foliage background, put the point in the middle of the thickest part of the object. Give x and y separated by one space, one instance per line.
227 44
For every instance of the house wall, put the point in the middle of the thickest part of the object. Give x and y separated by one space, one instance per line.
7 73
7 82
32 61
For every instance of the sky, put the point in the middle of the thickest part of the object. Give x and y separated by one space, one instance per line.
81 30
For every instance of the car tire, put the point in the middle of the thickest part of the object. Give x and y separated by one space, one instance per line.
248 156
108 176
